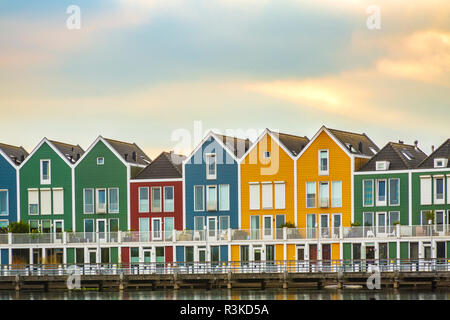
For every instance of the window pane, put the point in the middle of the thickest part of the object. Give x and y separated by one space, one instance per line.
143 199
212 201
168 199
368 192
336 194
382 191
3 202
114 200
224 197
45 170
394 191
440 189
211 163
324 160
323 194
224 223
88 201
198 223
156 199
310 194
198 198
394 217
368 219
101 200
89 225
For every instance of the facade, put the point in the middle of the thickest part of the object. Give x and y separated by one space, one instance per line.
46 186
10 159
156 206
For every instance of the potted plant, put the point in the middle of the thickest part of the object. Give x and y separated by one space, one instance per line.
185 236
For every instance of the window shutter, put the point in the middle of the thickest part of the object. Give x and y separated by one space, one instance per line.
280 196
58 201
267 201
46 201
254 197
425 191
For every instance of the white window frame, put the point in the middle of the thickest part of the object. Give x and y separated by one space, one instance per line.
7 202
49 180
315 194
97 208
373 218
100 161
152 208
38 207
160 229
109 200
333 205
53 200
435 179
386 192
280 203
164 198
255 194
428 200
385 222
207 157
328 194
93 200
364 193
267 206
148 200
227 207
208 208
203 198
324 172
399 192
267 236
266 155
227 217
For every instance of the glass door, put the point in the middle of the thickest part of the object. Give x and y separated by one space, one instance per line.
147 255
101 229
280 219
311 225
440 215
144 229
212 228
270 254
92 256
58 230
381 223
156 229
160 259
324 226
326 254
254 227
267 227
168 228
336 225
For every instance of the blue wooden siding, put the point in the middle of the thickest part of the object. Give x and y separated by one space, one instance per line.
4 257
8 181
195 174
224 253
180 253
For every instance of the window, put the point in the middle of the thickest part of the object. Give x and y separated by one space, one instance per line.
425 190
267 201
323 195
88 225
211 198
46 201
199 223
156 229
254 197
382 165
156 199
46 226
34 225
368 193
448 190
100 161
245 255
168 199
33 201
101 201
266 154
113 198
143 199
336 194
113 225
4 202
3 224
267 220
58 201
45 172
439 190
310 194
224 197
368 219
323 162
381 192
394 216
211 166
88 198
199 201
224 222
394 192
440 162
280 196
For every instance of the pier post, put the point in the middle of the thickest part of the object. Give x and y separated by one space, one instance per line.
285 284
121 282
17 281
229 280
175 282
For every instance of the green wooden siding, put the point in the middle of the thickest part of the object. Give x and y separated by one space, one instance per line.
61 177
347 247
404 250
392 250
70 255
404 201
112 174
114 255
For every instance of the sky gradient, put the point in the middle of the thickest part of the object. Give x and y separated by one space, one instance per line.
140 70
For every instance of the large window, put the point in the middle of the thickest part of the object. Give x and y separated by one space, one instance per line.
88 200
101 201
33 202
323 195
199 201
211 166
425 190
381 192
46 201
336 194
45 172
254 197
280 196
323 162
224 197
211 198
168 199
439 190
267 201
156 199
394 192
368 219
34 226
113 198
143 199
394 216
368 193
3 202
224 222
310 194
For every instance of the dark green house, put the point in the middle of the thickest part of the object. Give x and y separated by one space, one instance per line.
45 179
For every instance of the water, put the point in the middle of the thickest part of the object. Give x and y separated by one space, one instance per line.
237 294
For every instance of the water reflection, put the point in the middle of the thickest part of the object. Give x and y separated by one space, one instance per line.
235 294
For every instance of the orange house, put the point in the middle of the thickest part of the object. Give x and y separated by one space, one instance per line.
324 183
267 183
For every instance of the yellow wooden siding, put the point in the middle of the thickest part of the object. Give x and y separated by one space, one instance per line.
339 169
235 255
254 168
279 252
290 249
335 251
359 162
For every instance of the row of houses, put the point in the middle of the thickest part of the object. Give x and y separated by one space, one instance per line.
335 180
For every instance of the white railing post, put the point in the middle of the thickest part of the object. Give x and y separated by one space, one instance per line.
229 234
284 233
174 235
10 238
119 235
341 232
397 226
64 237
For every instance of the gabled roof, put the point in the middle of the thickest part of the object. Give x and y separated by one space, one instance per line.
70 151
294 144
16 155
129 152
442 152
237 146
167 165
400 156
356 143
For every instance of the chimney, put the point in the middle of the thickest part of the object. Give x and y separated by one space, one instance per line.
415 144
400 141
126 156
432 149
134 156
78 156
22 158
360 148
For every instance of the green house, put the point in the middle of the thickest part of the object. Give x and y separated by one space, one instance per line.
431 189
382 188
45 179
102 185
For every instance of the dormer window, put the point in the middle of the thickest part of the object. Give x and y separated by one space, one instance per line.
382 165
440 163
211 166
267 155
45 172
100 161
373 150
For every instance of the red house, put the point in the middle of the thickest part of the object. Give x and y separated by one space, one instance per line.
156 208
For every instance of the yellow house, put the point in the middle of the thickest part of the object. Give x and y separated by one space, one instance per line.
325 185
267 189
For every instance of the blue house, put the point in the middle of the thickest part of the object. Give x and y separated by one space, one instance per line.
211 189
10 159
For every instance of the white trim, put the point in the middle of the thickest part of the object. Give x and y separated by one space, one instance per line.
239 202
160 199
359 173
323 172
207 163
164 198
295 195
203 198
118 200
93 200
49 178
72 171
100 138
7 203
410 197
139 199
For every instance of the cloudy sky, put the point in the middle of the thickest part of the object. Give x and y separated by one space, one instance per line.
144 70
